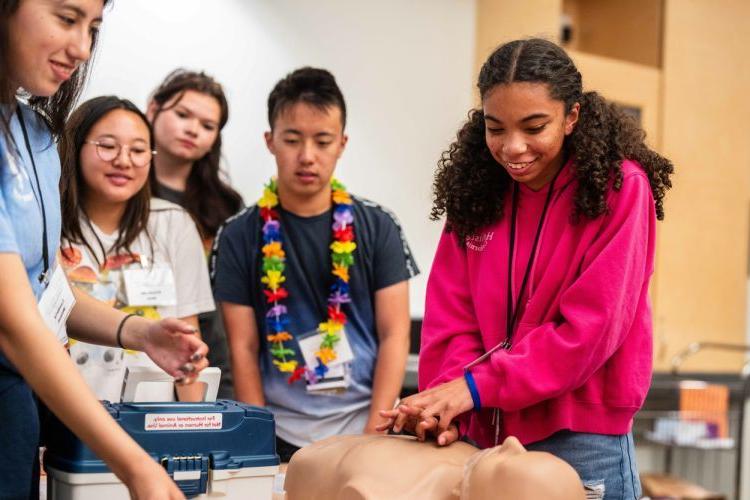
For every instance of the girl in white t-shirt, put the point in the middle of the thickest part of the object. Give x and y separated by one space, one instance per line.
138 254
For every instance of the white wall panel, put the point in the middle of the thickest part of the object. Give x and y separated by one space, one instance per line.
405 69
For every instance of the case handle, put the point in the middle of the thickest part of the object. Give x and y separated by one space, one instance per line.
136 375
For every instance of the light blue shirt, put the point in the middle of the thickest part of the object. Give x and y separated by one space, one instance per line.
21 224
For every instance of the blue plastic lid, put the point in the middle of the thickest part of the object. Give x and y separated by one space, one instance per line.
233 435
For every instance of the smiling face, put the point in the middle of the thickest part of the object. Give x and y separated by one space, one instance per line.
307 142
48 40
187 126
118 180
525 129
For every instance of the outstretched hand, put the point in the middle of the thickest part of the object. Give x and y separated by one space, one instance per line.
173 345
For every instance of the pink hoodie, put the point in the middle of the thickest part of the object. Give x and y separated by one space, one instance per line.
582 350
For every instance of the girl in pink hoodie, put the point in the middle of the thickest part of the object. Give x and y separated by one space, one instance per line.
537 319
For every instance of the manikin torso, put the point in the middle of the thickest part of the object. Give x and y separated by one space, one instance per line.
371 467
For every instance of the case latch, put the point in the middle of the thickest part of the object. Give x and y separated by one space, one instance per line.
189 472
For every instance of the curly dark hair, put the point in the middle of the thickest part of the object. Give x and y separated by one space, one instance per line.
470 186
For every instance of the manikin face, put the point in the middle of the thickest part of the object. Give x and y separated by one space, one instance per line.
307 142
118 180
187 126
520 475
525 129
48 40
509 448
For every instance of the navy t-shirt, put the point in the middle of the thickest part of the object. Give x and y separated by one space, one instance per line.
382 258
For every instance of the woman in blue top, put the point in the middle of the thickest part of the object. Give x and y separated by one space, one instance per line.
44 50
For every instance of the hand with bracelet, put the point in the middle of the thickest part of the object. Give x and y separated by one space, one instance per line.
170 343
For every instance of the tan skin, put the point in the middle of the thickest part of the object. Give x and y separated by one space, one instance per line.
185 130
111 184
48 40
47 368
307 142
525 130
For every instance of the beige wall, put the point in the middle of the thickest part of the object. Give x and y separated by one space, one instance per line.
702 263
625 83
628 30
500 21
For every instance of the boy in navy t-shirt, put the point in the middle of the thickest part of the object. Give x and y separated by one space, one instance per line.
307 116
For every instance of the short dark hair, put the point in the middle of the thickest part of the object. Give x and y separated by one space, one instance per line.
314 86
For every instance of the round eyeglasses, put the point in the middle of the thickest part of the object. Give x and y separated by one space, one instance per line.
108 150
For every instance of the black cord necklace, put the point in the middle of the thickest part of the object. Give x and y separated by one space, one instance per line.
44 276
511 309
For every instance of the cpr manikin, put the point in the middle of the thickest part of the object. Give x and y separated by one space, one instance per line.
373 467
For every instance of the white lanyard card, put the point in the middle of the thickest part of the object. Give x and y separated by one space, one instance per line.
56 304
153 286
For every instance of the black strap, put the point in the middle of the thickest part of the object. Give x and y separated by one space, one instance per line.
512 311
43 278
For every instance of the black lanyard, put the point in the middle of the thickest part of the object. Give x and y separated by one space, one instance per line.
512 312
43 278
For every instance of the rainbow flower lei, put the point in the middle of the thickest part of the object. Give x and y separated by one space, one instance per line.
274 262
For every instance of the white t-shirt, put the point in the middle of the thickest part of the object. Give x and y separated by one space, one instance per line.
172 242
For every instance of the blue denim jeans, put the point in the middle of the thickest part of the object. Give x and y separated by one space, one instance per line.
19 439
605 463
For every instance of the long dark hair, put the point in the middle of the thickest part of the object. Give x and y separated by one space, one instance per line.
470 186
55 108
208 199
73 186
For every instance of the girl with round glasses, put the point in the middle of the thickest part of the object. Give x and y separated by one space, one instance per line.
44 49
116 236
108 149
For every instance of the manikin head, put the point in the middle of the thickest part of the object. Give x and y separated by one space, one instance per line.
509 472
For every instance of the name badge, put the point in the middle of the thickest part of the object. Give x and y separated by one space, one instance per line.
56 304
153 286
336 381
335 376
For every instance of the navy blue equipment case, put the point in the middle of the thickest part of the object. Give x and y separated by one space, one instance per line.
222 447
